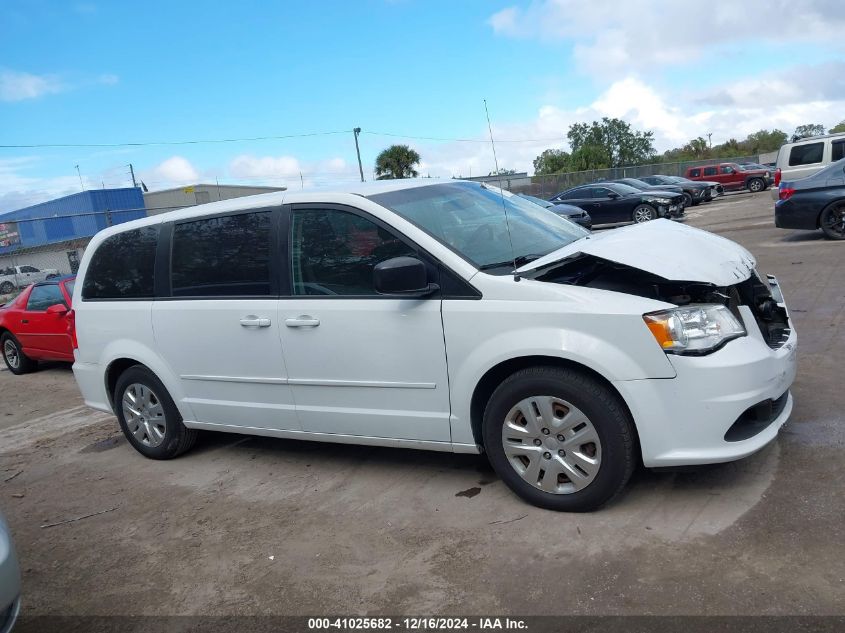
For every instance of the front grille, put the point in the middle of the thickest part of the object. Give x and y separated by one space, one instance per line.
757 418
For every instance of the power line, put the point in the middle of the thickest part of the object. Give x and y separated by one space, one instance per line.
465 140
188 142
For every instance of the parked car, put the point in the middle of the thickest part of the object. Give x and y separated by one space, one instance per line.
568 211
694 192
636 183
807 156
21 276
814 202
436 315
732 177
34 325
610 202
10 580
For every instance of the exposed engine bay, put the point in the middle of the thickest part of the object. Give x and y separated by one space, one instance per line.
755 292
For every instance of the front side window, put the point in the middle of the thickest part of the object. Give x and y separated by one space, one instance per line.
489 229
42 297
122 267
334 252
223 256
710 171
29 269
726 169
806 154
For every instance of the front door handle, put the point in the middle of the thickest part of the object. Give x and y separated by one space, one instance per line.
254 321
302 321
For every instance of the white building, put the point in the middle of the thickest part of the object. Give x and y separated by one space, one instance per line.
180 197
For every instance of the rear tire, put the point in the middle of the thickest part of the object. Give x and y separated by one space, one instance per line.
541 460
17 362
756 185
148 416
832 222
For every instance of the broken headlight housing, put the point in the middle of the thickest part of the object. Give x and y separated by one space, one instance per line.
694 328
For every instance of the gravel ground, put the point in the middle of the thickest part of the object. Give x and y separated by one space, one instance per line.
260 526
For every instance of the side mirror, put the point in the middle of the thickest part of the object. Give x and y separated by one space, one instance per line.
613 195
402 276
58 309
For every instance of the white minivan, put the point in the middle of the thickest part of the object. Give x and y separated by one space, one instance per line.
439 315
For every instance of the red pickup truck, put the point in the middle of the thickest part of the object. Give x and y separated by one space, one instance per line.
732 176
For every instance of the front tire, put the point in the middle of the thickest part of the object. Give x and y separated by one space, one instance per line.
643 213
687 200
17 362
832 222
756 185
559 439
148 416
6 287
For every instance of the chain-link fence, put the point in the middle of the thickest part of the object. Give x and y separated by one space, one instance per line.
547 186
37 249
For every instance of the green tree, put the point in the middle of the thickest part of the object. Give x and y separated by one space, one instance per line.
839 127
397 161
615 139
551 161
807 130
589 157
764 141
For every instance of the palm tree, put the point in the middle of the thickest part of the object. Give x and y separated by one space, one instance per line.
397 161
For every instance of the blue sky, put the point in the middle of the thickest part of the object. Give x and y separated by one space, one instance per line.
113 72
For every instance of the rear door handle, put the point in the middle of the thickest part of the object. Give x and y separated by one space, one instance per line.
254 321
302 321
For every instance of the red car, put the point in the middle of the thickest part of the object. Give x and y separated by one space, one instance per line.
34 325
732 176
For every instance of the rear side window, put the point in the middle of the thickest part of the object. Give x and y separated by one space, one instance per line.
227 256
806 154
710 171
694 173
42 297
837 151
122 266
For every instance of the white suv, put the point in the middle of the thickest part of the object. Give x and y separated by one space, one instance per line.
436 315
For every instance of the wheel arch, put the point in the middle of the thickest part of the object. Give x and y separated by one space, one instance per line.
495 375
119 363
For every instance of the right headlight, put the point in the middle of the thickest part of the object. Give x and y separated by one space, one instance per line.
693 329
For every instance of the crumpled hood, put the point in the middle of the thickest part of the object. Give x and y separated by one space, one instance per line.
664 248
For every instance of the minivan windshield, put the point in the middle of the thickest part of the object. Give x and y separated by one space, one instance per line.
470 218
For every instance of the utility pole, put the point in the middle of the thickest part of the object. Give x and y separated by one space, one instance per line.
132 171
709 141
356 132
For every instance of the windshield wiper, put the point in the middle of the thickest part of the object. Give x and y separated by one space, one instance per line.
515 263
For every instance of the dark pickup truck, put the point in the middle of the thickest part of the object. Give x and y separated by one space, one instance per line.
732 177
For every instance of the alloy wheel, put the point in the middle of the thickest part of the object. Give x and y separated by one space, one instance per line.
833 222
144 414
755 186
10 351
643 213
551 444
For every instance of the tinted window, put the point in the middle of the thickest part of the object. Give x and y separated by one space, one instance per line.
726 169
837 150
575 194
694 173
334 252
599 192
42 297
806 154
29 269
122 267
709 171
219 257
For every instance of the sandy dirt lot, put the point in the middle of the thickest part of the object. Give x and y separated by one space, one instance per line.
259 526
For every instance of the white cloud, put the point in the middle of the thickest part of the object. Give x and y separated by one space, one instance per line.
19 86
108 79
646 34
248 166
175 171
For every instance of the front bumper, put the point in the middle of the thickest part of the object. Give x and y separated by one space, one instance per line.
685 420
